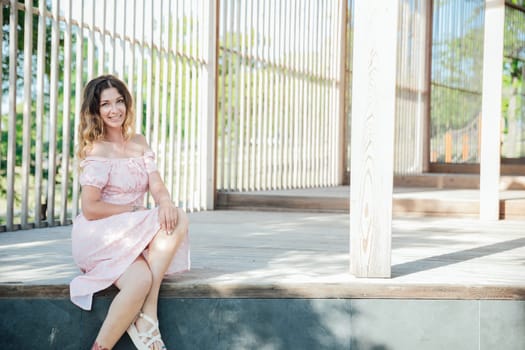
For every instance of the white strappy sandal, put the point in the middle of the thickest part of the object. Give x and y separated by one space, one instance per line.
144 340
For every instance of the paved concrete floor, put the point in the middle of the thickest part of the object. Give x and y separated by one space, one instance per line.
248 248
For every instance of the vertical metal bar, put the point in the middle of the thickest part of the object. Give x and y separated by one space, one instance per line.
229 117
307 115
280 91
259 98
210 52
221 144
78 103
102 48
53 112
323 97
257 129
164 38
241 170
274 94
330 89
41 55
150 95
66 115
172 63
11 123
270 94
295 89
296 120
314 91
264 97
200 93
191 109
193 127
321 100
112 34
334 151
121 69
237 116
250 140
132 43
139 104
247 87
91 44
316 107
156 57
287 86
180 77
253 98
302 116
149 74
26 150
303 111
187 117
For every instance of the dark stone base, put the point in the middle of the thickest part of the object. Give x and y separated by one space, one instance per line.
275 324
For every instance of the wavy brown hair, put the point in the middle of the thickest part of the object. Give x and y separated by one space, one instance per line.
91 127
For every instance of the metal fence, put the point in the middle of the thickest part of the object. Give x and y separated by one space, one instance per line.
456 81
413 90
164 50
232 95
281 117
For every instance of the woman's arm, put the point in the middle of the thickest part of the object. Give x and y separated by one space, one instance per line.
94 208
168 212
167 209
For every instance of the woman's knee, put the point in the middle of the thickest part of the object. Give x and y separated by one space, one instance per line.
182 223
137 278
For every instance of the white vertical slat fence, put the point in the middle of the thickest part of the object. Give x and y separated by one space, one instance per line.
267 78
279 88
163 49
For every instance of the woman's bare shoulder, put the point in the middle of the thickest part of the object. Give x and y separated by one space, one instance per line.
139 143
139 139
98 149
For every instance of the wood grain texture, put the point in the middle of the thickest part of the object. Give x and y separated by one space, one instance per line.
373 112
354 290
247 254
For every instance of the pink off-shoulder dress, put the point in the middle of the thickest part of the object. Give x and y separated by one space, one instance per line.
103 249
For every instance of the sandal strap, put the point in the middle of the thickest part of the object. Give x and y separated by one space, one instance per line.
149 319
147 337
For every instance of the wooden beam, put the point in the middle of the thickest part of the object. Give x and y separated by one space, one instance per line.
491 109
373 112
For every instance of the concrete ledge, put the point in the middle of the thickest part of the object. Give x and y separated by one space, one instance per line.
366 290
278 324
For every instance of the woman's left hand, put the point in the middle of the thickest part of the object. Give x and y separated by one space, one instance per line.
168 216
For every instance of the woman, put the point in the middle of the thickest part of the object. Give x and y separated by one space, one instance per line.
115 239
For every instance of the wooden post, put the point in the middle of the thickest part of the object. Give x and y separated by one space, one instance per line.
491 110
373 112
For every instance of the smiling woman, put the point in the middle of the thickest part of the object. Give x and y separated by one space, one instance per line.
116 240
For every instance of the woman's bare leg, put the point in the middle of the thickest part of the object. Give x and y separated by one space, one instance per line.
161 252
134 286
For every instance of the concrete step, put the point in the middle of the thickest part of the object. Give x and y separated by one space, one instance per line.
279 324
406 201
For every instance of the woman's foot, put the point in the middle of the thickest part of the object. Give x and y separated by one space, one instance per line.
96 346
145 334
